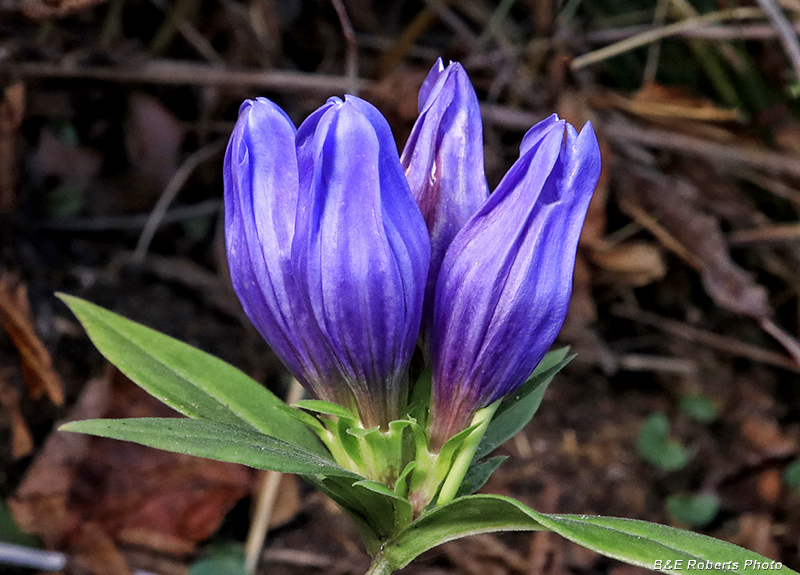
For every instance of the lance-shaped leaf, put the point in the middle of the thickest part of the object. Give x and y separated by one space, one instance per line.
519 408
190 381
220 441
639 543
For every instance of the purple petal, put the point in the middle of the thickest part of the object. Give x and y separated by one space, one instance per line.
428 83
361 250
535 134
261 185
505 283
443 161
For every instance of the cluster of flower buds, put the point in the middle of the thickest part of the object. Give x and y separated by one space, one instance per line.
346 256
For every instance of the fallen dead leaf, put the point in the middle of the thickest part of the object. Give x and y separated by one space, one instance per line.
765 435
138 494
39 9
675 216
674 103
37 366
75 166
21 440
633 263
755 533
142 497
153 138
94 551
12 110
40 503
770 484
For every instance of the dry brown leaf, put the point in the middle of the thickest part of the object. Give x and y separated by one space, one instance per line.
94 551
153 138
138 494
38 9
765 435
666 103
75 166
755 533
164 501
287 503
769 485
787 137
37 366
40 503
673 205
21 440
12 110
633 263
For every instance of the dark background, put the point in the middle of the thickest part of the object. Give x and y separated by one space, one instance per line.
688 269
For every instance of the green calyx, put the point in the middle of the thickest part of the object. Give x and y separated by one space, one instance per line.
396 461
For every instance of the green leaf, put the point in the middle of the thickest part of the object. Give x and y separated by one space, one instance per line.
654 447
478 474
373 513
791 475
325 408
644 544
187 379
402 508
221 441
10 532
223 560
694 510
635 542
516 411
459 518
699 408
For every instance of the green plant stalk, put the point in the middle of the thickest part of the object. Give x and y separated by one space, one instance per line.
465 455
380 566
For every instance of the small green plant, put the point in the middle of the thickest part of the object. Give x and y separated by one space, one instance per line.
699 407
791 475
655 447
694 510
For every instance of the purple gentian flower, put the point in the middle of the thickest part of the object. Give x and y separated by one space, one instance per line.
328 250
443 161
505 283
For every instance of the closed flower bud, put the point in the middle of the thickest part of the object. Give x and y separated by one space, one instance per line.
443 161
505 283
328 250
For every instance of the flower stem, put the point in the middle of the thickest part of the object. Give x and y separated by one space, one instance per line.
464 458
380 566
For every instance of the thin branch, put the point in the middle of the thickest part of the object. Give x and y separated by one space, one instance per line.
719 342
654 35
132 221
786 33
654 52
170 192
270 481
177 72
737 156
732 32
352 46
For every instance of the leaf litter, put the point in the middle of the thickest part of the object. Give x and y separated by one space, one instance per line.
687 272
